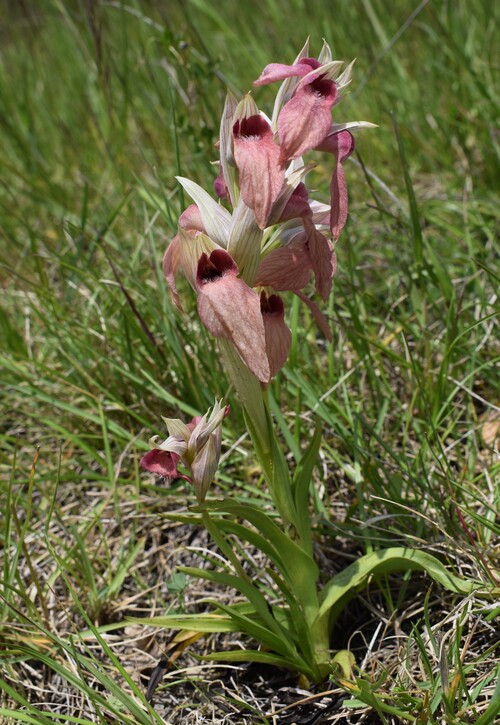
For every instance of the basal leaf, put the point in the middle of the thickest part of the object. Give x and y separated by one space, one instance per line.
345 585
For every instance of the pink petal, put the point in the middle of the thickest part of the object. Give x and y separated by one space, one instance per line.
286 268
230 309
162 463
338 143
278 336
261 174
320 318
171 264
342 146
297 206
190 219
279 71
306 119
339 201
323 260
220 187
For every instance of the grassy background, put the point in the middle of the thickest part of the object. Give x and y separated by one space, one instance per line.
101 104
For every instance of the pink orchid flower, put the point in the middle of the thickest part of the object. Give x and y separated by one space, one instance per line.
261 174
197 444
305 119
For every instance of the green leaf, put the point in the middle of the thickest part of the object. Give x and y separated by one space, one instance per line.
301 484
412 202
254 629
296 566
345 661
274 635
246 655
345 585
491 712
240 580
209 623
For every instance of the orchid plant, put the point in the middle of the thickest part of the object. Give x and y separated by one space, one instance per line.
265 236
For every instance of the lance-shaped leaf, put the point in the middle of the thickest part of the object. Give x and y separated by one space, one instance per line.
278 336
261 173
230 309
338 592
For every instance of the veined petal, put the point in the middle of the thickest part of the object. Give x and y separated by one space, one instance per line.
286 268
297 206
207 449
191 219
171 265
172 444
325 55
288 86
339 201
204 467
229 308
216 219
191 247
220 187
338 142
293 179
323 260
244 243
342 146
320 318
162 463
348 125
306 119
278 336
320 213
279 71
261 174
177 429
207 425
227 171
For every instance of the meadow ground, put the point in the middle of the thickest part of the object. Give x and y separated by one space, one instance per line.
102 103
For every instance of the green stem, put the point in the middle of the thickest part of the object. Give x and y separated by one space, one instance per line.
277 475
